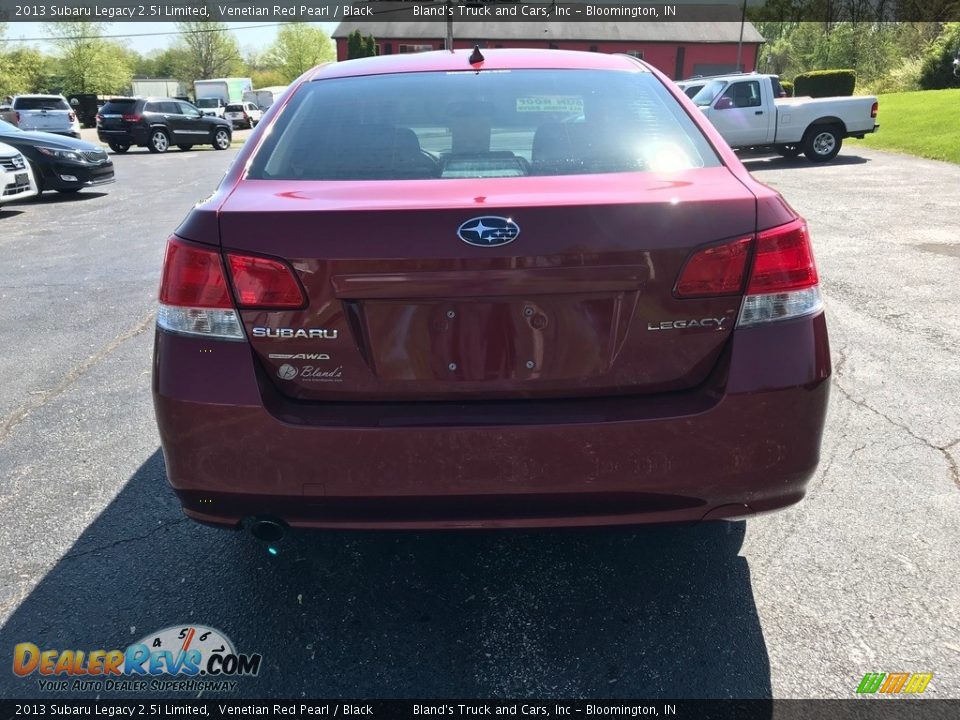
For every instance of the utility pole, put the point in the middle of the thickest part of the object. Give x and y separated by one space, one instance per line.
743 19
448 42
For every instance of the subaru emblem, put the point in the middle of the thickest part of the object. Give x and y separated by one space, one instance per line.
488 231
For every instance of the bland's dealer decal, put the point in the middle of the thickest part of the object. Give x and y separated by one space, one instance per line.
311 373
176 659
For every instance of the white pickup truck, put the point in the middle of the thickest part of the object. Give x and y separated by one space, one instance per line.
749 114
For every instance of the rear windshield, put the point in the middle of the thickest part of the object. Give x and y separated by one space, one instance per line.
208 103
488 124
117 107
235 108
40 103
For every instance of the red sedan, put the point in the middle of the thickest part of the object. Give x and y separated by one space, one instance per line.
519 288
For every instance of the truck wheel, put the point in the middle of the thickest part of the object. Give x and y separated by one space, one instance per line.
119 147
822 143
159 142
788 151
221 139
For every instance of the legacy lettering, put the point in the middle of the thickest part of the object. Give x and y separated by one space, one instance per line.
714 323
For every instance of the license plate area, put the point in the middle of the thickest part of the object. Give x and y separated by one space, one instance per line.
520 338
21 179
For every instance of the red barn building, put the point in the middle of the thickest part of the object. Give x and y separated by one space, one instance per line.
679 49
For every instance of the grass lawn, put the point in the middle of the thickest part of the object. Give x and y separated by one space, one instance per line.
920 123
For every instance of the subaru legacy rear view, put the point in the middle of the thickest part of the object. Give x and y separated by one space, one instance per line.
534 290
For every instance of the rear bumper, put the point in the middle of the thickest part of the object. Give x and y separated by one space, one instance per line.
66 133
125 136
861 133
746 442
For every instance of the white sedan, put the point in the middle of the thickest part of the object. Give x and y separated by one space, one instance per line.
16 178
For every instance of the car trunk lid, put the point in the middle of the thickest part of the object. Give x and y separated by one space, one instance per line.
581 302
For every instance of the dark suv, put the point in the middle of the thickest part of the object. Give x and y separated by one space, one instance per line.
158 123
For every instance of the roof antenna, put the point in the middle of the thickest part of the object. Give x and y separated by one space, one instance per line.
476 57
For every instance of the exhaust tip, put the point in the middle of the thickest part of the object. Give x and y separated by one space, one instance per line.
266 529
739 511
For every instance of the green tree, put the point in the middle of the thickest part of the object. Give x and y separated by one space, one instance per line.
298 47
872 49
24 70
268 78
940 68
169 63
207 50
86 61
359 46
354 45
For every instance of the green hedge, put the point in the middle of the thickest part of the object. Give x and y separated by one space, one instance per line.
937 71
825 83
787 86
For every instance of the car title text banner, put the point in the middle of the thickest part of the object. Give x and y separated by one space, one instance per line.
460 11
851 709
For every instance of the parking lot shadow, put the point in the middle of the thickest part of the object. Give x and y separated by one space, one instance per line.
83 195
650 612
753 163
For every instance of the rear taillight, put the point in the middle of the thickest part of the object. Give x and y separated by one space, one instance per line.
194 297
131 117
264 283
72 116
17 116
716 270
99 118
873 110
783 280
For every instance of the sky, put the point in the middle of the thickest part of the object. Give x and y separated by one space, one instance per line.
257 37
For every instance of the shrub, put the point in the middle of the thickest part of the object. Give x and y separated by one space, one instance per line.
938 69
825 83
787 87
902 79
359 46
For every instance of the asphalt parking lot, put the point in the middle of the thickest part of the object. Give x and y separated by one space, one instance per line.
860 577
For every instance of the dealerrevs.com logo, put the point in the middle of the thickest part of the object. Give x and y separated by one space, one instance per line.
185 658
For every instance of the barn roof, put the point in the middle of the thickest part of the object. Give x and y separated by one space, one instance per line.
623 31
